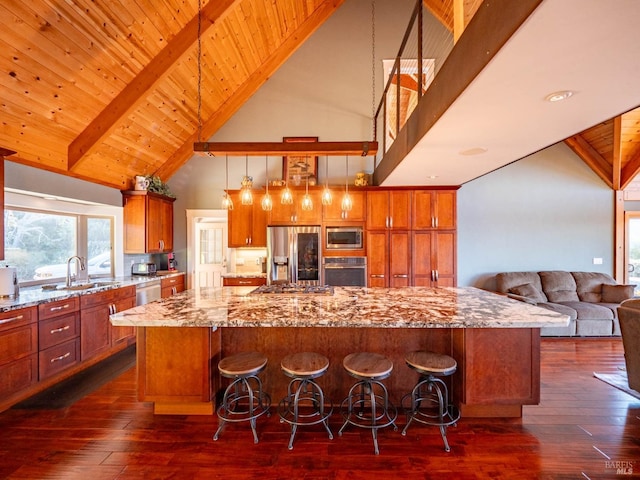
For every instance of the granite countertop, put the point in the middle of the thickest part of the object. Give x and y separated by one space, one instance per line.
35 295
411 307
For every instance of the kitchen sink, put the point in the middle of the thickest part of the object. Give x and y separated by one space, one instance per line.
81 286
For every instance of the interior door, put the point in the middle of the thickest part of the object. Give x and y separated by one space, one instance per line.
632 220
211 247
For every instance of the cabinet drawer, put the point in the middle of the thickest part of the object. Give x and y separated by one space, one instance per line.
244 281
108 296
18 343
60 307
17 318
58 330
18 375
55 359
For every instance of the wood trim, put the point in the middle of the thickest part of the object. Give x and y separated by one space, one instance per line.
363 148
591 157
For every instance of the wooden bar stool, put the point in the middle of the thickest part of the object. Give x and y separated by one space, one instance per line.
242 401
428 402
367 404
305 400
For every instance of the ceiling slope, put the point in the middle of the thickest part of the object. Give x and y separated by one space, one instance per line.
104 91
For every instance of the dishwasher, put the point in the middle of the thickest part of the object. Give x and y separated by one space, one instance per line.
148 292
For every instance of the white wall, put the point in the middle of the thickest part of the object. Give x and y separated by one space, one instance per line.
548 211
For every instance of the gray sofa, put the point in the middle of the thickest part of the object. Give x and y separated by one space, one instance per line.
590 299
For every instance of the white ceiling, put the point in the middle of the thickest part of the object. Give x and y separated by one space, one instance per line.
587 46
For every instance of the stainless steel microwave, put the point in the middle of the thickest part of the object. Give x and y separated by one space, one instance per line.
344 238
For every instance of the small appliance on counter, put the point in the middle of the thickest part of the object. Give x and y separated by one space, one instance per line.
143 268
8 282
165 261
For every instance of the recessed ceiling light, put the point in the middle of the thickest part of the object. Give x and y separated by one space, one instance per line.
558 96
473 151
431 177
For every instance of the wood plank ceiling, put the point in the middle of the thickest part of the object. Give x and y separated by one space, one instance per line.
106 90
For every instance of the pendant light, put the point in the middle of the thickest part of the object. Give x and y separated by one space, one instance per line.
246 197
327 197
267 203
347 202
307 203
227 203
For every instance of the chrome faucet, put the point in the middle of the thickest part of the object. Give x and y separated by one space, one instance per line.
80 261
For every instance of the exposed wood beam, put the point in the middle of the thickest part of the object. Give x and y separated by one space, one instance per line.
616 161
591 157
5 152
458 19
287 148
248 88
442 10
146 80
630 171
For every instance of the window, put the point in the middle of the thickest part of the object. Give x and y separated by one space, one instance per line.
39 244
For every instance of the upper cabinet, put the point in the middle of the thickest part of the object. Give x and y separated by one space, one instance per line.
293 214
148 222
333 214
247 223
388 209
434 209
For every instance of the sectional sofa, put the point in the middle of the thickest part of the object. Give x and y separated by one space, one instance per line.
590 299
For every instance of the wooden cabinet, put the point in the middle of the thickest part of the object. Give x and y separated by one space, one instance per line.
434 209
389 209
247 223
434 258
18 350
389 258
97 334
123 334
148 222
294 214
58 336
243 281
333 214
171 285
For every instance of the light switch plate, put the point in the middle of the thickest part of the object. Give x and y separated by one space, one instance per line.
597 261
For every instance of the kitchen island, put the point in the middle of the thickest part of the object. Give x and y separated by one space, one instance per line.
495 340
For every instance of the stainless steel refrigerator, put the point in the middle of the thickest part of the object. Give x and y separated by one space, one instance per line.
294 255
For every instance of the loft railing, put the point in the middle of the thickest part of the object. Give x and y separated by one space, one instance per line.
425 46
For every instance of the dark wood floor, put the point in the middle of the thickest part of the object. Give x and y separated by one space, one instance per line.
581 428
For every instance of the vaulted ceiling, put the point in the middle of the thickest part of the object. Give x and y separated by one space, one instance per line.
105 90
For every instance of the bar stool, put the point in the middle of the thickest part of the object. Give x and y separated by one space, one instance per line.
428 402
243 401
367 404
305 401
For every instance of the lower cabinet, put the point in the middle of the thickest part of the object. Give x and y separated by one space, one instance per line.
171 285
97 332
58 336
18 350
389 257
434 258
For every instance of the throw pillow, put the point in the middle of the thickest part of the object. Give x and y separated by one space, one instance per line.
529 291
617 293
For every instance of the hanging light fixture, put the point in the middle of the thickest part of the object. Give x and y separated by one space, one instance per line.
347 202
307 202
246 197
227 203
327 197
286 197
267 203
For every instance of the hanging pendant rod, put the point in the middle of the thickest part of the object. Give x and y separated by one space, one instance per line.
287 148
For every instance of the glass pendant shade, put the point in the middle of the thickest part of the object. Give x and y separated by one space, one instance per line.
307 202
327 197
227 203
246 197
286 198
347 202
267 203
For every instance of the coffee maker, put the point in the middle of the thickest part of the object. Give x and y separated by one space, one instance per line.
166 261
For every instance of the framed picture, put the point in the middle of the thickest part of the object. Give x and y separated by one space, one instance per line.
297 168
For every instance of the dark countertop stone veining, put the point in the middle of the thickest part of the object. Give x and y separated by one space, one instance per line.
410 307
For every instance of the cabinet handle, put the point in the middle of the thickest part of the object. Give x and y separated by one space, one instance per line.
61 357
56 309
174 290
437 275
61 329
250 240
7 320
161 243
377 276
401 276
390 222
244 282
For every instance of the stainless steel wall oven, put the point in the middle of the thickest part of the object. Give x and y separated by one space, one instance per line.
345 271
